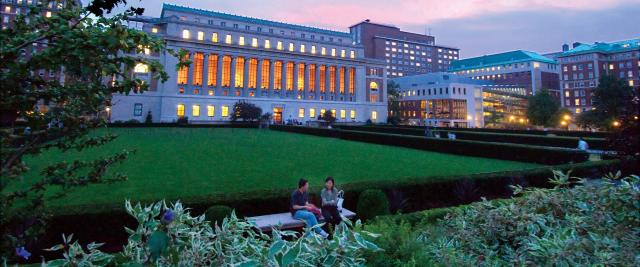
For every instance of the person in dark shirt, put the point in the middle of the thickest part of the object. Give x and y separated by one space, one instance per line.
301 209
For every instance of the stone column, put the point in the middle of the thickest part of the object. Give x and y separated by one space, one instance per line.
337 81
295 79
205 73
346 83
271 76
259 78
245 80
283 91
189 76
318 81
306 88
219 75
232 84
327 82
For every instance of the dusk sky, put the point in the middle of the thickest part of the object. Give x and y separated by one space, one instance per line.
477 27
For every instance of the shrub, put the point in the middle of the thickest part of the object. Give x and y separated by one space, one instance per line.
132 121
217 213
149 118
372 203
183 120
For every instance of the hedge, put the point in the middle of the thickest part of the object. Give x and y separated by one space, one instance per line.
175 124
504 151
528 139
513 131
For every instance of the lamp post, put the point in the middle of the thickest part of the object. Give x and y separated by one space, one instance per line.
108 110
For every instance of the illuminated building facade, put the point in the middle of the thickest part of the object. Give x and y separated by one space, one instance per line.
291 71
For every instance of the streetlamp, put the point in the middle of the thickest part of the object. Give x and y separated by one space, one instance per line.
616 123
108 110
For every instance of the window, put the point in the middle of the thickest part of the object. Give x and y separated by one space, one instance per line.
212 70
181 90
343 114
226 71
195 111
291 47
48 14
323 51
301 113
253 73
241 40
225 111
264 79
300 74
279 45
211 111
333 113
302 48
180 110
183 72
141 68
312 77
577 102
267 44
352 80
374 115
312 113
374 86
333 52
289 84
254 42
341 80
185 34
313 49
277 75
343 53
353 114
200 36
323 78
210 92
332 79
352 54
214 37
228 39
137 109
198 64
239 79
154 30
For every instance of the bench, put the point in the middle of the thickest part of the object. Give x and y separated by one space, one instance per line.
285 220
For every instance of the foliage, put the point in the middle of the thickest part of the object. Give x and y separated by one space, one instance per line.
372 203
542 109
614 100
170 236
245 111
149 118
327 116
577 223
217 213
38 113
393 103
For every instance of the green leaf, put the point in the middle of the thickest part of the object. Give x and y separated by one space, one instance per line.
291 255
275 248
249 263
158 243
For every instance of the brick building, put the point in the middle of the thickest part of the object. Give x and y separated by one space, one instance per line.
584 64
405 53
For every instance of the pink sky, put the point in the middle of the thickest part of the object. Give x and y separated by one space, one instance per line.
475 26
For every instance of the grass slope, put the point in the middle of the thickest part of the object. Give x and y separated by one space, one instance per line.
188 163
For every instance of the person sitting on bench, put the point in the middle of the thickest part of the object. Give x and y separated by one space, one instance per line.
301 208
329 196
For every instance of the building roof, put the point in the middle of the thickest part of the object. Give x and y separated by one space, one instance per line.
172 7
511 57
433 79
599 47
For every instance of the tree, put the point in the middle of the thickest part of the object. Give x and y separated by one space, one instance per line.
393 103
614 100
328 117
494 118
93 53
543 109
245 111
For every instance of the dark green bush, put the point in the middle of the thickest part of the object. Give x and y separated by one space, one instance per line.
217 213
372 203
514 131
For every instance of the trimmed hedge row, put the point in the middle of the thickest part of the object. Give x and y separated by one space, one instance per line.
532 132
528 139
504 151
175 124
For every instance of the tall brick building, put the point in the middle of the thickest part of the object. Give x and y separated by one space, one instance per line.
405 53
518 68
584 64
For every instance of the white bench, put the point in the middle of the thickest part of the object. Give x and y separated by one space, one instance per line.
285 220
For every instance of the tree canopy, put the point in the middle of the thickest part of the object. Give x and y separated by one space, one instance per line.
245 111
542 109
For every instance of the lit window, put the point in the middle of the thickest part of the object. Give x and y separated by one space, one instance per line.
200 36
214 37
226 71
183 72
210 92
611 66
312 78
343 114
323 75
323 51
373 86
211 111
253 72
48 14
198 65
313 49
265 74
333 52
302 50
228 39
185 34
343 53
254 42
279 45
180 110
241 40
289 84
374 115
141 68
352 54
7 9
353 114
154 30
333 113
277 75
631 83
225 111
300 74
342 80
212 70
312 113
332 79
352 80
195 110
267 44
239 80
291 47
301 113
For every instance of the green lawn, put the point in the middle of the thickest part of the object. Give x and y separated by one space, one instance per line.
193 163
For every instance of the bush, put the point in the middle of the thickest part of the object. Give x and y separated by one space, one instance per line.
217 213
183 120
372 203
132 121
